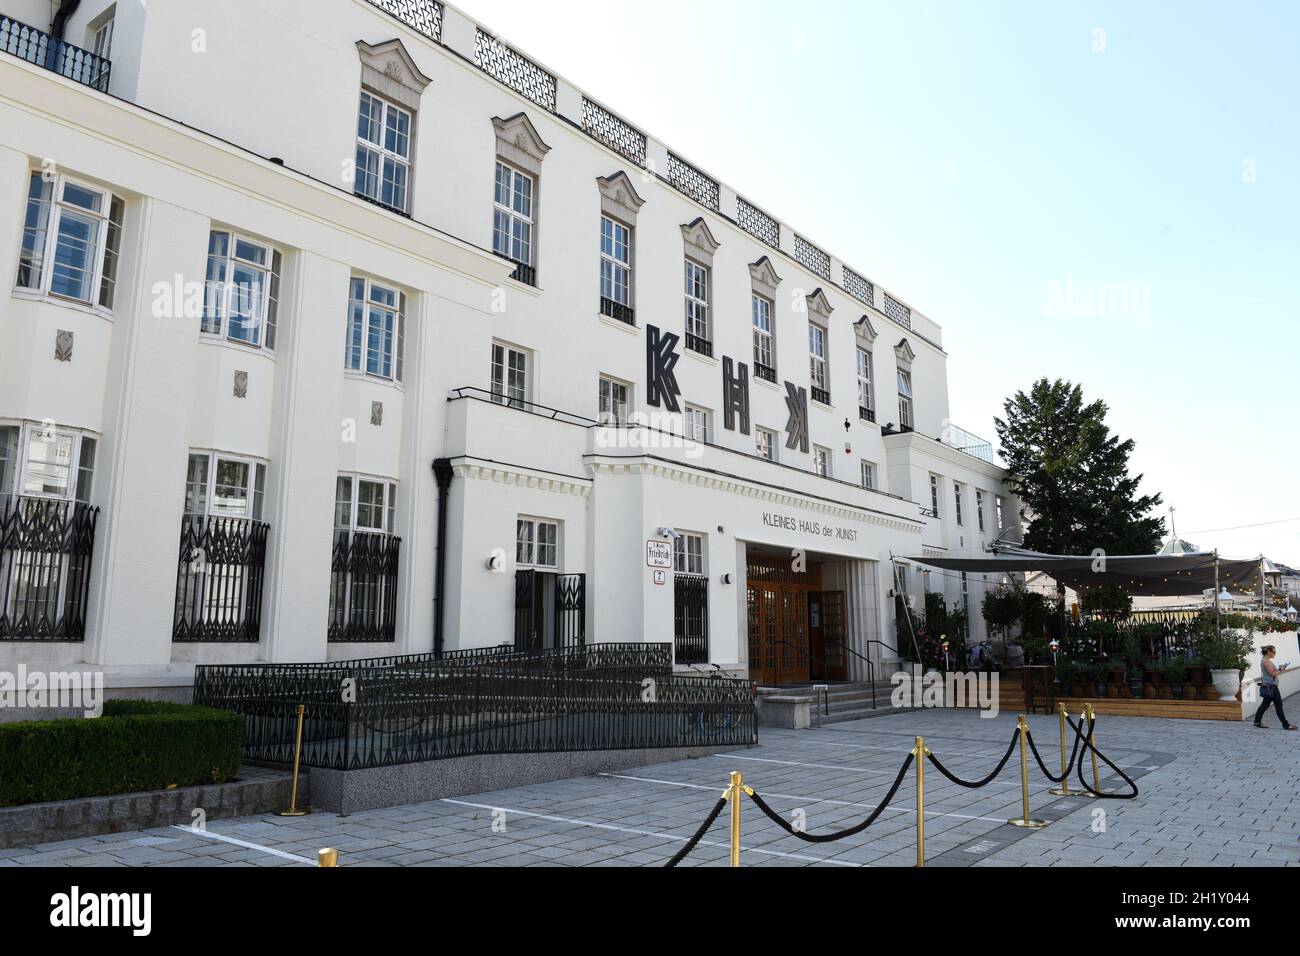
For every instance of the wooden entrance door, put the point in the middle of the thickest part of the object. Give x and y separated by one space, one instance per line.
778 619
826 636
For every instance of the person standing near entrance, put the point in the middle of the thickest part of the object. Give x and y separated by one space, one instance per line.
1269 692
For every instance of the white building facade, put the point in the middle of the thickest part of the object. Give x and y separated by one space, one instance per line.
342 329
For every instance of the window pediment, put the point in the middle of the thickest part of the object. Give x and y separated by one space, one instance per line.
388 69
819 305
619 198
905 354
764 278
865 331
519 143
700 242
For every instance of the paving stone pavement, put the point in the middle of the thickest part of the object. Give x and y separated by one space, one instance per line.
1212 794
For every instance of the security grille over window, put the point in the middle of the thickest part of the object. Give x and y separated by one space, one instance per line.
758 224
691 619
514 70
693 183
363 588
219 581
812 258
422 15
897 311
45 551
859 288
623 139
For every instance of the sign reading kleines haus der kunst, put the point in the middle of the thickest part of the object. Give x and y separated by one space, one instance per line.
813 528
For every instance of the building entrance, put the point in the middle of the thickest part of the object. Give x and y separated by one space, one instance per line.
796 630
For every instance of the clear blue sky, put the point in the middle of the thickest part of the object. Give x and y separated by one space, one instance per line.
975 157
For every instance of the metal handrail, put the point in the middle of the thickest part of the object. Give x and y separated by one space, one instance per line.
871 667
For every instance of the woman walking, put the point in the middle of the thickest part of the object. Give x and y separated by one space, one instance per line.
1269 692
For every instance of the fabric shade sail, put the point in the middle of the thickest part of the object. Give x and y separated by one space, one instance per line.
1179 575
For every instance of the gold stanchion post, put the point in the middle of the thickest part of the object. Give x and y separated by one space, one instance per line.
737 788
294 810
1025 822
1064 789
1096 772
327 857
920 753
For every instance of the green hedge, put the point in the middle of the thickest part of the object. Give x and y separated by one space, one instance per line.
135 746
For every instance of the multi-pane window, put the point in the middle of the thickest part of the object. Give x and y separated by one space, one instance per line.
822 461
958 492
537 544
866 391
376 330
616 269
241 298
221 486
509 376
905 419
999 506
512 223
101 35
934 495
615 402
817 363
766 444
697 424
71 236
383 170
365 505
43 461
688 554
764 365
697 308
868 475
364 568
979 509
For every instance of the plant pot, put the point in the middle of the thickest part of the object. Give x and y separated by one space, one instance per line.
1100 689
1115 675
1226 684
1154 677
1135 687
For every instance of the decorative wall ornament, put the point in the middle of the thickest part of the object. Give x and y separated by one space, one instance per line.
519 144
796 400
865 331
241 385
619 198
735 395
377 414
662 389
818 304
63 346
700 243
764 278
905 354
390 71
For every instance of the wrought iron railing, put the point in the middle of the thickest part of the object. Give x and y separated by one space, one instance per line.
812 258
691 619
515 70
616 133
858 287
758 223
46 548
401 716
423 16
618 311
523 272
866 414
219 581
897 311
822 395
36 46
699 346
363 588
567 626
765 372
693 183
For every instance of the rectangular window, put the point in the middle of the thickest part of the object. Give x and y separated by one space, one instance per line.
999 506
697 424
957 493
71 236
934 495
697 309
365 505
219 486
905 420
537 544
822 461
101 36
615 403
979 509
383 152
817 363
868 476
509 376
616 270
764 363
8 462
866 391
241 298
512 224
766 444
688 554
376 330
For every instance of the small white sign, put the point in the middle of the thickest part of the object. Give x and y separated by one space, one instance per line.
661 578
659 554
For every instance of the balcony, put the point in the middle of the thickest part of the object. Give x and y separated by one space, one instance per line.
699 346
618 311
866 414
46 547
968 443
765 372
523 272
219 580
30 44
821 395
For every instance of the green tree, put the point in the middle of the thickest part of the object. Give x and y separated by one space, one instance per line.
1072 475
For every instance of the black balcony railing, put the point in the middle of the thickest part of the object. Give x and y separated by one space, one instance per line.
363 588
691 619
45 553
699 345
219 581
523 272
866 414
616 310
34 46
423 711
822 395
765 372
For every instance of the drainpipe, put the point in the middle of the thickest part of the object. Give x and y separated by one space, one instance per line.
442 473
61 17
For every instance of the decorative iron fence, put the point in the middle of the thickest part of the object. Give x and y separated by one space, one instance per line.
859 288
897 311
691 182
812 258
514 70
398 717
35 46
691 619
219 581
698 345
46 548
363 588
423 16
620 136
758 223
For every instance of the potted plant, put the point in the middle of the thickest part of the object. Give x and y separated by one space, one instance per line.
1067 675
1225 652
1175 674
1097 674
1135 657
1197 675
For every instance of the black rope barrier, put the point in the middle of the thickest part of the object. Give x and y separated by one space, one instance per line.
976 785
843 834
1074 755
694 841
1087 742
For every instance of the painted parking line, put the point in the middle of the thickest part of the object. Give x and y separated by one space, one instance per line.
209 835
808 800
609 827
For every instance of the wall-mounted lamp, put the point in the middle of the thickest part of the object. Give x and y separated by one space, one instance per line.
729 578
496 562
668 533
